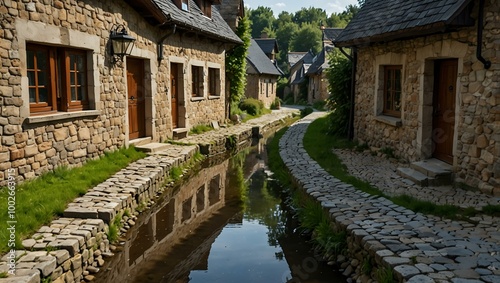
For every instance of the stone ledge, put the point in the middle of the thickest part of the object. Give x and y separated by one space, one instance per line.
62 116
396 122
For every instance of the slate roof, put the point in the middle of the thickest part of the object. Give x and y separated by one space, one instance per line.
215 27
384 20
268 45
300 76
306 57
320 62
259 60
330 34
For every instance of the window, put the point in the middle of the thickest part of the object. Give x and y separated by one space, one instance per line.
205 7
267 88
213 82
57 79
392 90
197 81
184 5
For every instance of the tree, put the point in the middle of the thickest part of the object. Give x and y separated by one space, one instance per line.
310 15
308 38
236 64
284 35
339 86
283 18
261 18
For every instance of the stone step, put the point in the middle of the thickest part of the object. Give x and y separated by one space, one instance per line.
414 175
432 167
180 133
140 141
153 147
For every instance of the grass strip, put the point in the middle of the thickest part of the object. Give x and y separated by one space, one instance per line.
319 144
40 200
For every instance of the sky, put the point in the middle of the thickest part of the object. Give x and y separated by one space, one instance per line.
293 6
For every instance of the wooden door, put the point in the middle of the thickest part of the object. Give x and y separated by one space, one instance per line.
445 81
136 98
174 92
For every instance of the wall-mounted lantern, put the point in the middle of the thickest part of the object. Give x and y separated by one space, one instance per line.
121 43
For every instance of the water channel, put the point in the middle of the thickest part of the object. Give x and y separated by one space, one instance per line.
225 223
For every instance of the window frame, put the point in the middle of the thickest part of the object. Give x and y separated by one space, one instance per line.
390 90
58 81
197 77
214 82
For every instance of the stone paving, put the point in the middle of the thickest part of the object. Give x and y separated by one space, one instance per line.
381 173
71 249
418 248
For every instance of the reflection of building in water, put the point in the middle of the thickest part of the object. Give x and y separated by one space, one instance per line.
162 228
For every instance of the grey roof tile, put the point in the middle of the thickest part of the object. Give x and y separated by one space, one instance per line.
215 27
382 18
260 61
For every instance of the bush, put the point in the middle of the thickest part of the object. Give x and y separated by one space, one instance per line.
276 103
252 106
306 111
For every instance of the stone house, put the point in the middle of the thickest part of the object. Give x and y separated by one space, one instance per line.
318 82
428 86
262 75
299 63
66 96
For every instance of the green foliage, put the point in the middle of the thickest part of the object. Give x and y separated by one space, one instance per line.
231 142
384 275
308 38
39 201
280 88
261 18
493 210
342 19
388 151
200 129
311 15
114 228
252 106
4 274
306 111
175 173
339 86
236 63
319 105
276 103
366 266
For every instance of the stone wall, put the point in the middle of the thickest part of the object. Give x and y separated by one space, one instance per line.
318 88
33 144
261 87
476 147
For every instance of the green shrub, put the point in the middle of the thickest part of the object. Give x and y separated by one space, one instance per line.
252 106
306 111
276 103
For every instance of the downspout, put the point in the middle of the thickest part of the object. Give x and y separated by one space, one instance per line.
486 63
160 43
354 59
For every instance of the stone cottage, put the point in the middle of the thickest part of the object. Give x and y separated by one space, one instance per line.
428 85
317 89
299 63
66 95
262 75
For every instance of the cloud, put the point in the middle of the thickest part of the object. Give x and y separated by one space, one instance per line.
280 5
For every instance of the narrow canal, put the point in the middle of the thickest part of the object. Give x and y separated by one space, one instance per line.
225 223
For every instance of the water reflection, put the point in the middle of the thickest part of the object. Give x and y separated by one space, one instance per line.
225 224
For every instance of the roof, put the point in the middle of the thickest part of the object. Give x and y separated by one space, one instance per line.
385 20
268 45
259 60
319 62
305 57
301 74
215 27
330 34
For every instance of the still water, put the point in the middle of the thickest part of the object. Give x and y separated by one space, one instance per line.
226 223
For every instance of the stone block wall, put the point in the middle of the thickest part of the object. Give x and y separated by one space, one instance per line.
33 144
256 88
476 148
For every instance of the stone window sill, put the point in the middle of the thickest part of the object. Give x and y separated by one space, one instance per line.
214 97
393 121
197 98
62 116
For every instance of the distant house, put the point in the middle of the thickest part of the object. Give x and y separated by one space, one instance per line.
68 97
318 82
262 75
428 86
299 63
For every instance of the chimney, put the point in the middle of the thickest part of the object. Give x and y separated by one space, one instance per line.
264 35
